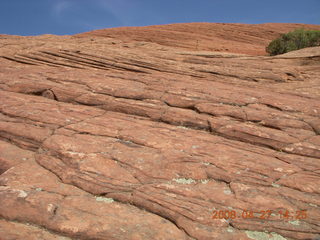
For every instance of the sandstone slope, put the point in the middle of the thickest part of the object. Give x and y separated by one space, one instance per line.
235 38
113 138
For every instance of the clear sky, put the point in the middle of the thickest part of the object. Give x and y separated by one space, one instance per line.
33 17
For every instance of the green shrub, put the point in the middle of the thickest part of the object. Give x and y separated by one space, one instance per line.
294 40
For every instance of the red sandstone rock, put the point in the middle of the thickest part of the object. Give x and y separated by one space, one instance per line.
109 138
221 37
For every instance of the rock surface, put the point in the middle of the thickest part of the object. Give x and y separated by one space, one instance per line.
234 38
117 137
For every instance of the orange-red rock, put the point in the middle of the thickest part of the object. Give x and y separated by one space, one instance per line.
223 37
138 133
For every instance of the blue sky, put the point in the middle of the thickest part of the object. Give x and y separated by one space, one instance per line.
34 17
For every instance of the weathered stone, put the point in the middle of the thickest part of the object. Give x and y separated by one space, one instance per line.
137 136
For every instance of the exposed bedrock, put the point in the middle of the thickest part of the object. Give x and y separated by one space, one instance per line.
113 139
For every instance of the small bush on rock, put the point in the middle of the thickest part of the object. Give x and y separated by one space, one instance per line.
294 40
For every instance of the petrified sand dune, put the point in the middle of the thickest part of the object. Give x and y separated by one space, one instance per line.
235 38
126 134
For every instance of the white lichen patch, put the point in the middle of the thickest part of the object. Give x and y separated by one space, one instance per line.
204 181
182 127
264 236
297 223
22 194
230 229
64 238
206 163
103 199
38 189
275 185
289 149
126 141
278 169
184 180
51 208
227 192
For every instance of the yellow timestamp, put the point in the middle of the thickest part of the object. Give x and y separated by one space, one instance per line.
265 214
